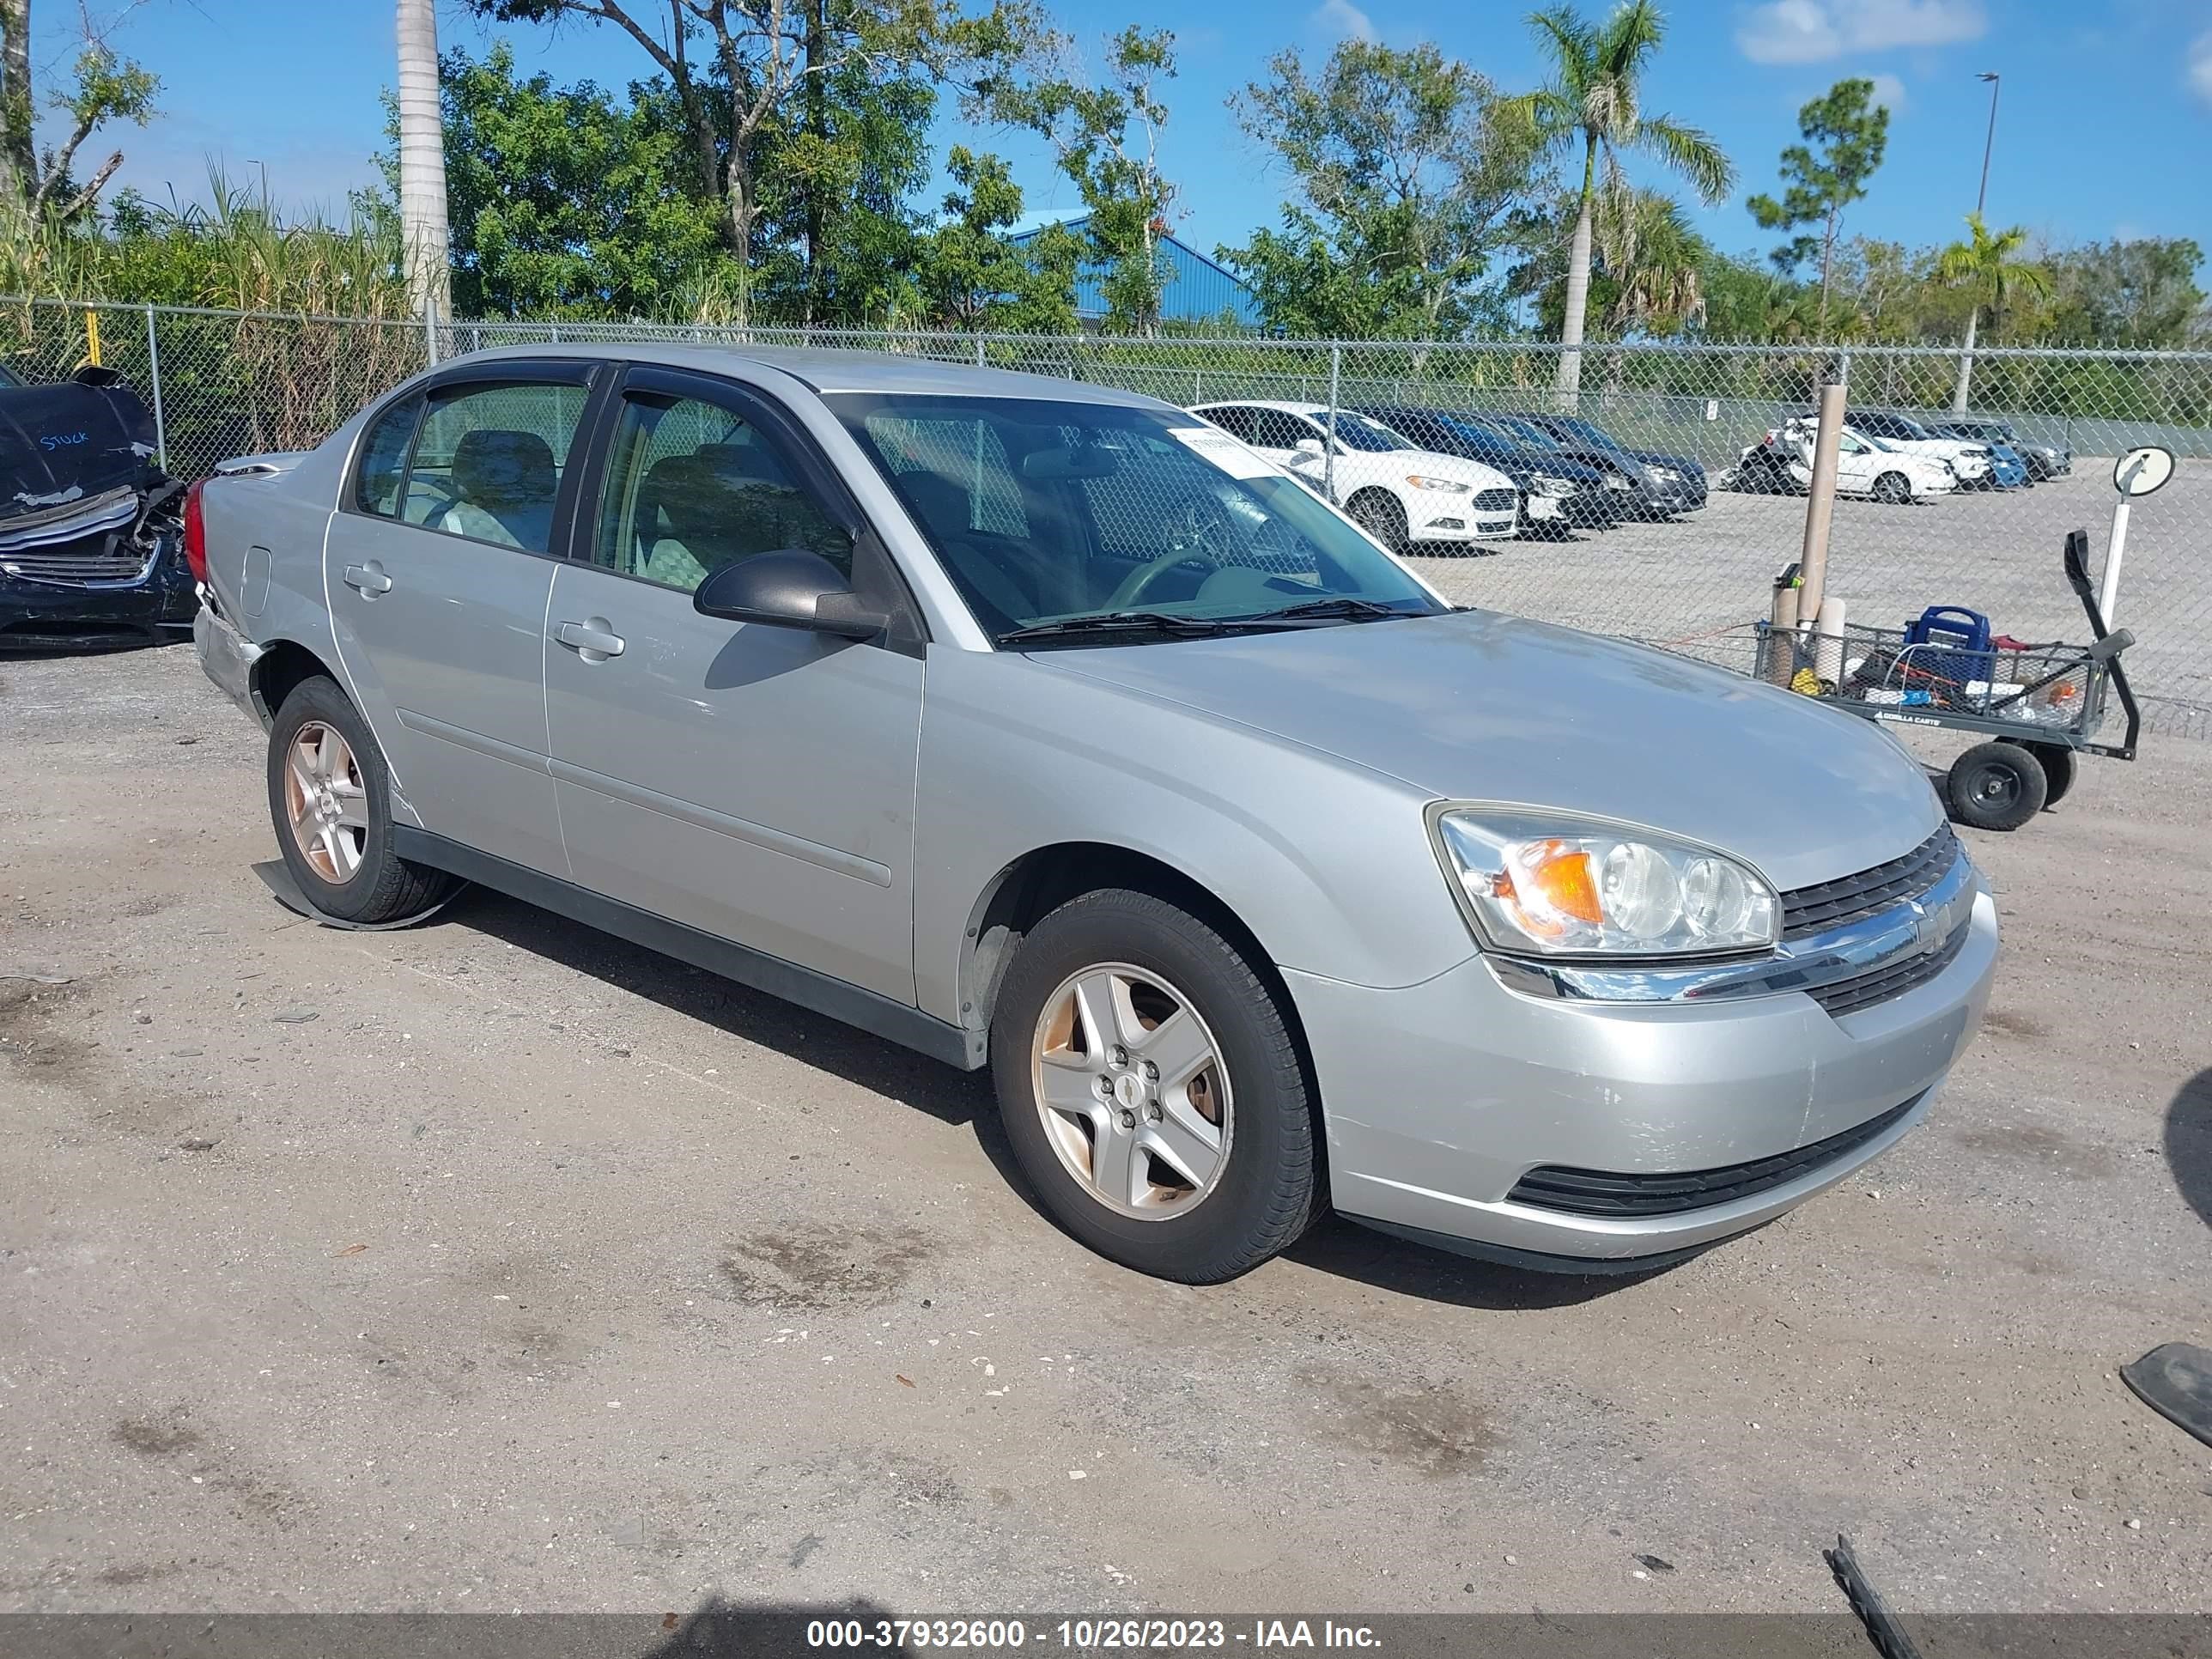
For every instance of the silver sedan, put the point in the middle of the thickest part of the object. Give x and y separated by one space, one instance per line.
1046 728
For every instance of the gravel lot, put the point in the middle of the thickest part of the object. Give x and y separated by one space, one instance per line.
494 1265
1688 582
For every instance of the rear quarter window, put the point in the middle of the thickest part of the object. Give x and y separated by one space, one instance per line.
383 466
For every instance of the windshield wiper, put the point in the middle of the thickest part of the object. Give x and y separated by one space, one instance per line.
1121 621
1345 608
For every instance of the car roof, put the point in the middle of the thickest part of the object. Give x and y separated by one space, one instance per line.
825 370
1287 408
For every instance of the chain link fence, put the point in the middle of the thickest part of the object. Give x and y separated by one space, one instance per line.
1659 504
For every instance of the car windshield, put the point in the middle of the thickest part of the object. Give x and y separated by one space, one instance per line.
1096 523
1359 432
1589 433
1525 432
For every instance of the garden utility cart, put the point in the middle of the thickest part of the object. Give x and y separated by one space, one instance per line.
2038 706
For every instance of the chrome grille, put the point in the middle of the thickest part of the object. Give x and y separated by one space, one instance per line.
1890 979
98 558
1815 909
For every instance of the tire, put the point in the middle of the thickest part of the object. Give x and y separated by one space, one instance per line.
1894 488
1143 958
1995 785
1381 517
345 864
2059 765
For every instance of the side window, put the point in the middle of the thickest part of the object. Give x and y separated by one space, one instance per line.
383 465
1849 445
1279 430
488 464
692 486
1236 422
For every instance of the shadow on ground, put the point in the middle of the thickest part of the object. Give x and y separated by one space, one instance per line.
1335 1246
2189 1143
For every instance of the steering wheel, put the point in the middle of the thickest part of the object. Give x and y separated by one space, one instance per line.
1200 535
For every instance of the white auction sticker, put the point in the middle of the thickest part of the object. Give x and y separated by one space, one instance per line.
1224 451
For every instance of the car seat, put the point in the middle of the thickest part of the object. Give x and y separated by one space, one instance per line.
504 485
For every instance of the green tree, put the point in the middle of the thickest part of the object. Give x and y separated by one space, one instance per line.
1988 270
736 70
2138 293
564 201
1851 132
1647 265
105 88
972 277
1593 101
1409 183
1105 137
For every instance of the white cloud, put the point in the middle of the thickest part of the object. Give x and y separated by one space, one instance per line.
1810 30
1341 17
2200 66
1888 93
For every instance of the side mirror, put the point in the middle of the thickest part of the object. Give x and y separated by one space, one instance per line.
1309 446
788 588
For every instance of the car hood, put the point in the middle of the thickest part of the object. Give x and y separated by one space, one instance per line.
1434 463
1479 706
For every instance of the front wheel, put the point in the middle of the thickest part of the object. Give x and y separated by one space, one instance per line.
1996 786
330 797
1894 488
1152 1092
1383 518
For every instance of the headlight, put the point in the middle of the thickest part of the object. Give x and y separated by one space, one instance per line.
1662 474
1421 483
1554 885
1548 484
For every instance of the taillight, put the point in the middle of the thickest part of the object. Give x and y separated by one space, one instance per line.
195 532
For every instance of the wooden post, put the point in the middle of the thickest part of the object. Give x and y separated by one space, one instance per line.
1820 494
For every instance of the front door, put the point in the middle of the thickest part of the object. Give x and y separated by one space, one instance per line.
438 569
754 782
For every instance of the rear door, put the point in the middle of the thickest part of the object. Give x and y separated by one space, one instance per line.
438 568
754 782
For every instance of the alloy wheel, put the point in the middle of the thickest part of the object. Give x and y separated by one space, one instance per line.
326 802
1131 1087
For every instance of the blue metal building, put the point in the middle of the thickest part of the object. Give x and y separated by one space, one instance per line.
1197 288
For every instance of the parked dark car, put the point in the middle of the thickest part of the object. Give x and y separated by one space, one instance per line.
91 527
1660 484
2043 461
1542 475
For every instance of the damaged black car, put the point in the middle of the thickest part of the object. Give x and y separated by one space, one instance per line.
91 527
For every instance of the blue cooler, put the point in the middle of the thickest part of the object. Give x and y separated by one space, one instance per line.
1952 643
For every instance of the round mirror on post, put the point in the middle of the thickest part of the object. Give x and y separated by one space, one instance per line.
2142 471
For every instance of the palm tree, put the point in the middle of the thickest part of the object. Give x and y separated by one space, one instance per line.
1592 100
1656 262
1985 267
422 158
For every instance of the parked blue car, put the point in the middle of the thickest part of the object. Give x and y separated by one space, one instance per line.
2009 468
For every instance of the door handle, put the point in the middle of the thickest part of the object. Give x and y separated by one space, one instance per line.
368 579
594 641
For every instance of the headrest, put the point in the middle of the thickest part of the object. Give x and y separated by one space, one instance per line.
494 467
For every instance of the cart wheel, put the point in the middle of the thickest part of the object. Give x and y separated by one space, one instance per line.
1996 786
2059 766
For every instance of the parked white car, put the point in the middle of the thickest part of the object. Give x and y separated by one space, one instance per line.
1901 432
1396 491
1864 466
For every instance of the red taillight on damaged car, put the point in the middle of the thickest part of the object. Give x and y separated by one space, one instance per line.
195 532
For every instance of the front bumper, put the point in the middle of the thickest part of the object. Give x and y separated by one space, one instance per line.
1462 523
1439 1098
54 616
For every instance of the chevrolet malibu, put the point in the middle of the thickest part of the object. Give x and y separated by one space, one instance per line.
1043 727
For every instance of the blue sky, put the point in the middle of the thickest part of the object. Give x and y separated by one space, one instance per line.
2095 93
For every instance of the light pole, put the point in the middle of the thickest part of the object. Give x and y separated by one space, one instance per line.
1981 201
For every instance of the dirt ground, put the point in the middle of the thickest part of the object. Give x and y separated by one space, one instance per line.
494 1265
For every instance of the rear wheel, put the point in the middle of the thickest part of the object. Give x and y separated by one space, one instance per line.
1996 786
1381 516
1894 488
2059 766
329 797
1152 1092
